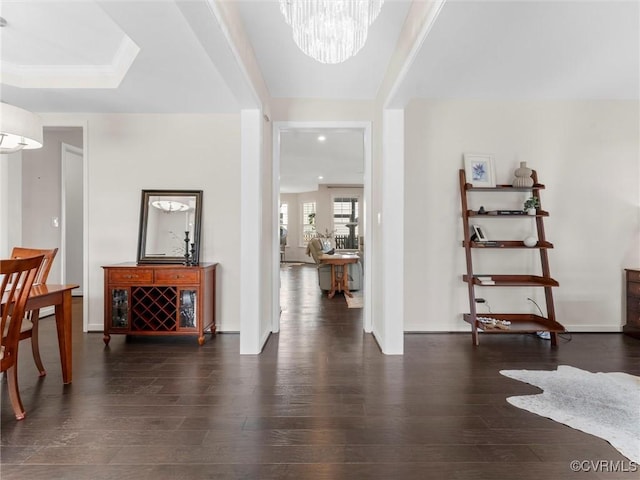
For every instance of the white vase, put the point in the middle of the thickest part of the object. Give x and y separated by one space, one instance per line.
523 176
530 241
531 211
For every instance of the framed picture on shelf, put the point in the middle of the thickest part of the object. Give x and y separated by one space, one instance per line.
479 170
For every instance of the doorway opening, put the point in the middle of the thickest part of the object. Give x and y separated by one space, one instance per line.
322 189
53 206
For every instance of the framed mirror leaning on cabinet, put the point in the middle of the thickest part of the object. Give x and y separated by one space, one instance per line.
170 227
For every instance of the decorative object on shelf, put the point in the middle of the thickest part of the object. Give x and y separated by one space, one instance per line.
482 211
193 255
187 261
479 170
531 204
530 241
478 234
523 176
19 129
330 31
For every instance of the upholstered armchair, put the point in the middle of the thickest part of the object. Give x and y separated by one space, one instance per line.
315 248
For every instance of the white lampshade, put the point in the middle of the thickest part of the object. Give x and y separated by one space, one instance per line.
19 129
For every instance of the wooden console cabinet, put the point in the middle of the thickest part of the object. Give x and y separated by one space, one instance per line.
632 327
159 300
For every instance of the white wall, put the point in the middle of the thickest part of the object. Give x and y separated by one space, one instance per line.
41 193
128 153
587 155
10 202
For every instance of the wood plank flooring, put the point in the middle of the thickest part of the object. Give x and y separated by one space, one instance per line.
321 402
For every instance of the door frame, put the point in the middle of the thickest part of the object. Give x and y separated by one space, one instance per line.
65 147
278 129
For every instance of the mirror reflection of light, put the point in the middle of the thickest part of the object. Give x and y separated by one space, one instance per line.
170 206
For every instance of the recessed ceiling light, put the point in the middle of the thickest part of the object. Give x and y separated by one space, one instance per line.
320 177
321 138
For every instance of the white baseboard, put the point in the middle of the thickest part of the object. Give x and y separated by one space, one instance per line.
570 329
594 328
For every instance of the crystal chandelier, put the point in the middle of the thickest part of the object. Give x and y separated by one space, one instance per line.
331 31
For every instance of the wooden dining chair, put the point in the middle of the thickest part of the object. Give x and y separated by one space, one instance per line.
17 276
29 327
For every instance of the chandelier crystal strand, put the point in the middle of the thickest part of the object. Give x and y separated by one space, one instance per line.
330 31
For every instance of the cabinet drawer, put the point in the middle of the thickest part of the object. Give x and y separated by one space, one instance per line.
633 303
633 289
130 275
177 276
633 276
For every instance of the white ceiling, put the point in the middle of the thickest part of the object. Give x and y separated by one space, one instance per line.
306 161
529 50
479 49
289 73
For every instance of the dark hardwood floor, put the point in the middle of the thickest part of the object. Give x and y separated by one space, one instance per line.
321 402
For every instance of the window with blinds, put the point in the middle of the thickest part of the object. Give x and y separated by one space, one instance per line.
345 222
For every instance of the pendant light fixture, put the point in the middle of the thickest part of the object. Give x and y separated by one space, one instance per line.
19 129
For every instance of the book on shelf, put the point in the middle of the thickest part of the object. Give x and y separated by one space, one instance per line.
509 212
485 280
486 243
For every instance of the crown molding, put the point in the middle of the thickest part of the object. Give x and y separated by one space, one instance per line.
73 76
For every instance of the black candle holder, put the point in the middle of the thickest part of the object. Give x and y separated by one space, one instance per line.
187 261
193 255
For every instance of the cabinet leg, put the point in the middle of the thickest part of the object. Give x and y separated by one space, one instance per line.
554 339
106 339
201 340
474 337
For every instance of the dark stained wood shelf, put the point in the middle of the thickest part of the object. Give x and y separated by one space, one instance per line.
502 188
493 214
515 281
520 322
507 244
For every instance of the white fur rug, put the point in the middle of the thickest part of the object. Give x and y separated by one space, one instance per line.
606 405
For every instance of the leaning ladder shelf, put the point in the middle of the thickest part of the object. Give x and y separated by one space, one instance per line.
519 322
